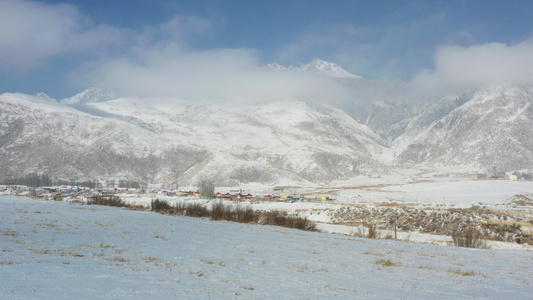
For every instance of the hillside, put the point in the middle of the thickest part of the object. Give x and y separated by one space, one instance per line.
55 249
167 140
491 128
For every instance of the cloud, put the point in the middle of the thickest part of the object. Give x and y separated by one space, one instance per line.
33 32
460 69
219 75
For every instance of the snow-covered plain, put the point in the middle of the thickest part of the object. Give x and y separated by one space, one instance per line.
459 193
58 250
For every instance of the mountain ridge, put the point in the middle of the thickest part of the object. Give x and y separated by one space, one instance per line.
317 66
279 142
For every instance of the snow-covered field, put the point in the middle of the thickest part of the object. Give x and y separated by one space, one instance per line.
457 193
58 250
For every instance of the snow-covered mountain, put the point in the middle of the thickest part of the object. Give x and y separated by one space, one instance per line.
317 66
492 127
49 137
165 140
91 95
280 142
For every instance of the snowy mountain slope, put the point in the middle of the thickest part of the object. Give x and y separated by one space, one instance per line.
52 138
494 128
165 140
385 107
90 95
284 138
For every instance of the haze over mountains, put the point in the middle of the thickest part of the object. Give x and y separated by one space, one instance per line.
344 128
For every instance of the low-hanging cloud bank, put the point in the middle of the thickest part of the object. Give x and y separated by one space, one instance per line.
220 75
237 75
460 69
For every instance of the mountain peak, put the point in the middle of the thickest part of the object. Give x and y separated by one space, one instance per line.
45 96
317 66
91 95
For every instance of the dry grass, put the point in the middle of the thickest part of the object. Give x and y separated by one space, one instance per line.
510 223
373 253
395 204
388 263
460 272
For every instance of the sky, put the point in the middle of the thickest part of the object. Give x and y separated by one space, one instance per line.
178 48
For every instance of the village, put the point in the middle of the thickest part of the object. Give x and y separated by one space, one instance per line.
78 193
423 211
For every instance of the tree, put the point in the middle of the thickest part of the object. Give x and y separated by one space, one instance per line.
32 180
207 188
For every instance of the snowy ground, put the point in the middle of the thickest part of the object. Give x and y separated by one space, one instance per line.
435 194
459 193
57 250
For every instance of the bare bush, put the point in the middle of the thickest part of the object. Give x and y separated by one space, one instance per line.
219 211
196 210
283 219
160 206
107 201
469 238
245 215
370 232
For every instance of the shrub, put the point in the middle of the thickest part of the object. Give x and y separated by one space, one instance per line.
469 238
160 206
278 218
107 201
245 215
219 211
372 231
196 210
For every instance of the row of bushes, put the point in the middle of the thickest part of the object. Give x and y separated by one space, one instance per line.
235 213
107 201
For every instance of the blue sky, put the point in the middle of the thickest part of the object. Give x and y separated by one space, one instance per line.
62 47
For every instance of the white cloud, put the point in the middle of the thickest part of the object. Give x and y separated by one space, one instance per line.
459 69
214 75
33 32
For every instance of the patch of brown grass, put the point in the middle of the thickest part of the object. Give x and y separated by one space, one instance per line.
388 263
460 272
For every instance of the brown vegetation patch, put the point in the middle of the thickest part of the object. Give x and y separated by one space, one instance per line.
388 263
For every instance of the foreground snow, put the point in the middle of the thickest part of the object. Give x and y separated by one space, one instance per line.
57 250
